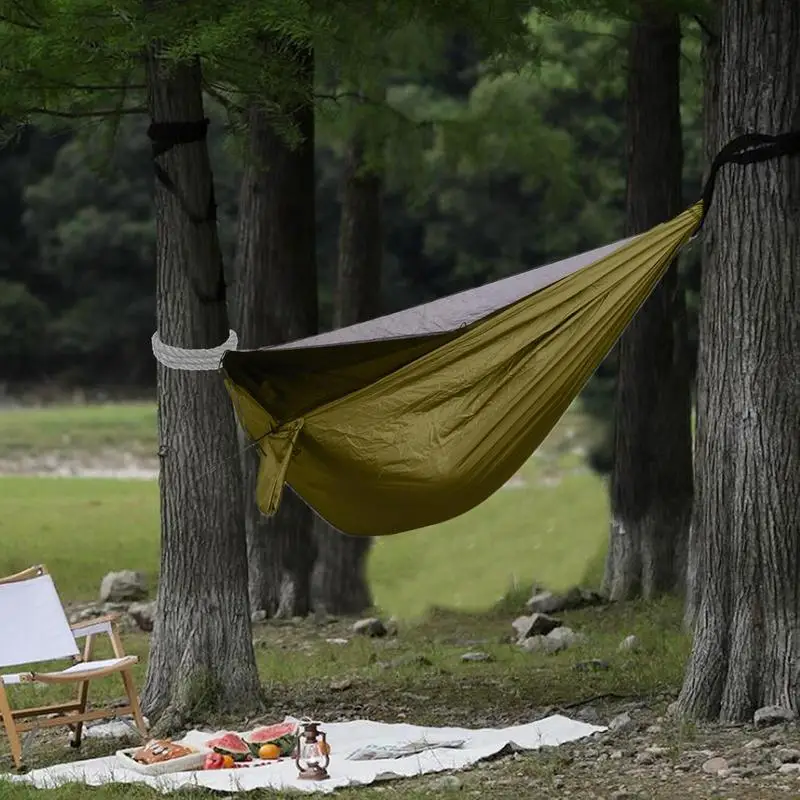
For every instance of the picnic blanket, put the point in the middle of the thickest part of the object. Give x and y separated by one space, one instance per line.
359 753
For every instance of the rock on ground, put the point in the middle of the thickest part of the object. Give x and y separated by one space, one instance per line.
534 625
371 626
773 715
123 586
142 614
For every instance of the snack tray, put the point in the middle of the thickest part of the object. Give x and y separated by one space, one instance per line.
187 763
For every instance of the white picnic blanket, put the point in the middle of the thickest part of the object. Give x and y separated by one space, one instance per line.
458 748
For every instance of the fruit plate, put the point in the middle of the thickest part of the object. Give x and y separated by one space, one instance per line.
187 763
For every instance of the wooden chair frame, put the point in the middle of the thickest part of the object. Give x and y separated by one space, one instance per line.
72 714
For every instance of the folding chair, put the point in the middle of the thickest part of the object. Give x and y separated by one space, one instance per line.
35 629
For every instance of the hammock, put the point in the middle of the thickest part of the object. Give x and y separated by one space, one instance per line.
416 417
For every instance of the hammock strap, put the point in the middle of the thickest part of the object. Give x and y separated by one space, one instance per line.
750 148
165 136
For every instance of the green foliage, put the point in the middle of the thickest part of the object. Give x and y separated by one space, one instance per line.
23 318
501 143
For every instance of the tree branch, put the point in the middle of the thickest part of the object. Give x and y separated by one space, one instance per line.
226 102
108 112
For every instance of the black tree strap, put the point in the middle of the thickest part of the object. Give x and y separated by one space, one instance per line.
750 148
165 136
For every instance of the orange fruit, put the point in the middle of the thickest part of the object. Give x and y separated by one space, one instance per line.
227 762
269 751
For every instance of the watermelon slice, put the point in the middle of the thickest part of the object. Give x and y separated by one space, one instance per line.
230 744
284 735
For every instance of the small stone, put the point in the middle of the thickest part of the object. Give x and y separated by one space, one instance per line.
654 730
337 641
616 755
545 603
118 587
371 626
645 758
715 765
392 626
477 656
142 614
755 744
341 685
788 755
726 773
535 625
789 769
629 644
258 616
534 644
656 750
772 715
588 714
673 710
561 638
621 722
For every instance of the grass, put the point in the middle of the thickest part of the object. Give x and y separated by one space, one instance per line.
298 666
79 429
456 587
543 530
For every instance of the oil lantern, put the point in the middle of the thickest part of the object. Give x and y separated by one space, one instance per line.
312 755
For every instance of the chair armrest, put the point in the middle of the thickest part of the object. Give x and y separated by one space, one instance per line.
88 627
26 574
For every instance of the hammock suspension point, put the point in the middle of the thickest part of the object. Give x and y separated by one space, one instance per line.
199 360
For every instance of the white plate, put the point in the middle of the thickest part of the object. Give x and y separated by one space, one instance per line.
192 761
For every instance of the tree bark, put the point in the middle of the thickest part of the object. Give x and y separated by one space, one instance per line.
201 656
340 580
276 277
694 561
746 645
651 482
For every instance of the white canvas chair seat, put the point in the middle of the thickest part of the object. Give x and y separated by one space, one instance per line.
33 630
75 672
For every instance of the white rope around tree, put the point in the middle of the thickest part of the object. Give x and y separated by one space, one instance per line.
192 360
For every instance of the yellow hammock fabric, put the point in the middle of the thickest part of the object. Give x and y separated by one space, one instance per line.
417 417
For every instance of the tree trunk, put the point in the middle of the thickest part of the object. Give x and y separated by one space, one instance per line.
694 561
276 277
201 656
651 482
746 645
340 580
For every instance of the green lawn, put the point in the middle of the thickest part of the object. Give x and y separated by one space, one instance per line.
547 530
79 429
445 583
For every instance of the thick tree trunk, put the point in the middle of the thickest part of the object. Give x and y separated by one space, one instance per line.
651 483
746 646
276 291
340 580
201 656
694 561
